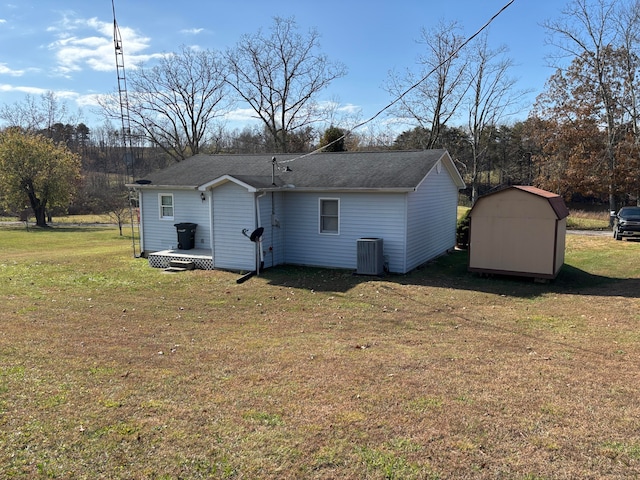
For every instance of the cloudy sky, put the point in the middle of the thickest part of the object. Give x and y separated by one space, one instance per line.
66 46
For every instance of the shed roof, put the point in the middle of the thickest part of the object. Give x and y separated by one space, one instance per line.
388 170
556 202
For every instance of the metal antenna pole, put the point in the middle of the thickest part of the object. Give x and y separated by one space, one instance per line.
129 159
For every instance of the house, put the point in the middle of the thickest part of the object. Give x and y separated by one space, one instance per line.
520 231
316 210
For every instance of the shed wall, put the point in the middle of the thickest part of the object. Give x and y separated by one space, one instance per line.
560 244
514 231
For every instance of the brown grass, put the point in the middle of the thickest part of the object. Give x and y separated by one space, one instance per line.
577 219
111 369
588 220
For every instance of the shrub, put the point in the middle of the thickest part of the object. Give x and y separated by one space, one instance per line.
462 230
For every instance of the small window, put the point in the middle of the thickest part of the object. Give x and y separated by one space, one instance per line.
330 215
166 206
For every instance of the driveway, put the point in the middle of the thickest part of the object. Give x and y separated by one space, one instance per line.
595 233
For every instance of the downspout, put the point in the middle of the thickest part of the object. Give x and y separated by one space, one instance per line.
211 230
273 216
140 229
260 256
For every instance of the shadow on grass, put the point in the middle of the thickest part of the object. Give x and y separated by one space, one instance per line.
60 228
450 271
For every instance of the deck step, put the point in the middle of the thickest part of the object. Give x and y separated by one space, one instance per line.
183 264
175 269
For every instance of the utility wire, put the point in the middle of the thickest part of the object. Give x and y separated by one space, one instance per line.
408 90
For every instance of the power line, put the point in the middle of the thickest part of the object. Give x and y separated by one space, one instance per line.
412 87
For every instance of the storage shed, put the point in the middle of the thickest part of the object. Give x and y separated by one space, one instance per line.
519 230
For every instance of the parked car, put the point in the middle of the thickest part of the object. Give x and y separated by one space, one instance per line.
626 223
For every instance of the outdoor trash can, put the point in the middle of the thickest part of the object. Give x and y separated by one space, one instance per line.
186 235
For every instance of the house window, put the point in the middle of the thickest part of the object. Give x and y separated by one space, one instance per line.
166 206
330 216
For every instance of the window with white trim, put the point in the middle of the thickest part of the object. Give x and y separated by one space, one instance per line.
330 216
166 206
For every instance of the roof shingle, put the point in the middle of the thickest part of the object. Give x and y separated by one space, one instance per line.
338 170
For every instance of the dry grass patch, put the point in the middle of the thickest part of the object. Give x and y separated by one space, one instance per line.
111 369
588 220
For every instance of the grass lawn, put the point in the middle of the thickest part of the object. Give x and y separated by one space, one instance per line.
112 369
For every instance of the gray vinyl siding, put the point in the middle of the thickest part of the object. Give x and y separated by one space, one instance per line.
367 215
233 209
415 227
432 211
272 220
160 234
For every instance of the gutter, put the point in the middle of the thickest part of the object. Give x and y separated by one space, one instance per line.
154 186
339 190
285 188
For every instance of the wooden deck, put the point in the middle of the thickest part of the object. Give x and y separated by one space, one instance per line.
201 257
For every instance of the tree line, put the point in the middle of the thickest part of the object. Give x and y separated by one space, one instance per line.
580 139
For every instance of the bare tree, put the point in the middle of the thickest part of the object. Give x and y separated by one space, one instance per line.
175 103
25 114
34 114
111 197
376 136
436 99
587 30
280 77
627 22
491 97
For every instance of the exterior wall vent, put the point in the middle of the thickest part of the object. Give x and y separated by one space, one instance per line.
370 257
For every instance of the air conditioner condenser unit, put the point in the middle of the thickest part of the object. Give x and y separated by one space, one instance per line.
370 256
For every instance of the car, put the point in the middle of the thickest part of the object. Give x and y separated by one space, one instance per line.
626 223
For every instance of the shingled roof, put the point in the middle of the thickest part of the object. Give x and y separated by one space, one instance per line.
389 170
555 201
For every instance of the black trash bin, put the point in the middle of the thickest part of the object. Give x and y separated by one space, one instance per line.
186 235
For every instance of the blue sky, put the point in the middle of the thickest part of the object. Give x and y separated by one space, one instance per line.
66 46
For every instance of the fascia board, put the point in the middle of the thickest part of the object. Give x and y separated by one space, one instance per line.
224 179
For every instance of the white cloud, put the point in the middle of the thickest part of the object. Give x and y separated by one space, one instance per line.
241 115
30 90
350 109
192 31
90 100
4 70
77 46
62 94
